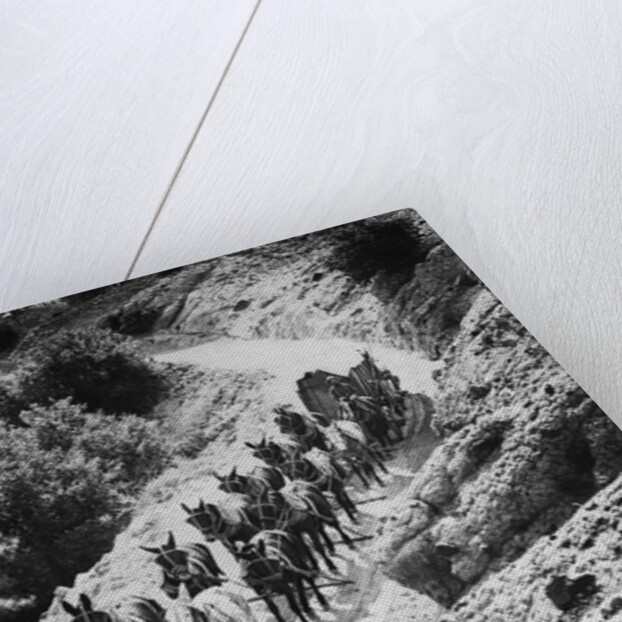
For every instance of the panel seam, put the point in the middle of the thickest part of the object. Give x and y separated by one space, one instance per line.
190 144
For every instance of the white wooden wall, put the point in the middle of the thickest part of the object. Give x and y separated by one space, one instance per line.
138 136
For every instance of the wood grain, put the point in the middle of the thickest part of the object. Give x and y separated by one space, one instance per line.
98 101
499 121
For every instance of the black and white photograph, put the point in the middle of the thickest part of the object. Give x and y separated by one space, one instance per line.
345 426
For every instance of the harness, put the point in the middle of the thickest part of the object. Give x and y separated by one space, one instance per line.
257 577
219 527
175 567
274 541
93 616
272 515
304 469
304 429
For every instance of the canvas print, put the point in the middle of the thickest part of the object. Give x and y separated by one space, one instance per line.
346 426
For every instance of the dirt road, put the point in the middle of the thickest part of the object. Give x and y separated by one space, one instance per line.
288 360
371 597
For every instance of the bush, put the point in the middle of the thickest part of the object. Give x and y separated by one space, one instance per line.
43 496
130 450
94 367
134 320
389 245
9 335
44 493
65 478
11 404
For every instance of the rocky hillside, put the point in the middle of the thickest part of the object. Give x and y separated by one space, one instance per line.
515 513
525 448
292 289
571 574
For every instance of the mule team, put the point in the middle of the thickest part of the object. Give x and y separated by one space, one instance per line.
277 518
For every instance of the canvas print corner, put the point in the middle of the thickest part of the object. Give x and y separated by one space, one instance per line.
342 426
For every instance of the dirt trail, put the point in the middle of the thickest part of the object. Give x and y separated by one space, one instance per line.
372 597
287 360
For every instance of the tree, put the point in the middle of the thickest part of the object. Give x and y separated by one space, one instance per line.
66 476
389 245
95 367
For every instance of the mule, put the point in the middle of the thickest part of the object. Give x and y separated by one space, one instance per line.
272 564
146 610
298 466
190 564
227 524
85 612
259 480
350 438
136 610
291 462
368 414
302 427
221 605
274 512
347 444
272 452
308 495
187 613
295 517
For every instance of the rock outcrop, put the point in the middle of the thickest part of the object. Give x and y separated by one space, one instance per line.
572 574
288 290
524 448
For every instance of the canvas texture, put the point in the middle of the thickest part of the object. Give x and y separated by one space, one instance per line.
345 426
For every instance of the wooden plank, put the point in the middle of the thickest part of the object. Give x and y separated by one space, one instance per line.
499 121
98 101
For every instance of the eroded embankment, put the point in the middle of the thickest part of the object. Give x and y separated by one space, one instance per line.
570 575
525 447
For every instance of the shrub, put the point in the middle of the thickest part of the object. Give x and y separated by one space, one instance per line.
392 245
44 493
94 367
133 449
9 335
134 320
43 496
77 549
65 477
11 404
130 450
